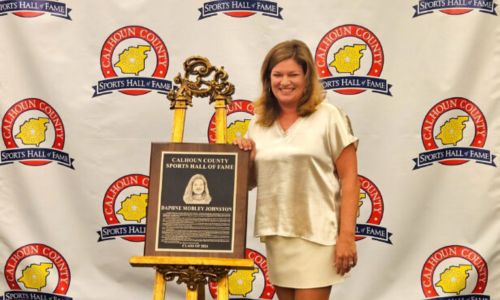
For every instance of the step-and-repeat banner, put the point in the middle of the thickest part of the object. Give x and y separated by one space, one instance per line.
83 89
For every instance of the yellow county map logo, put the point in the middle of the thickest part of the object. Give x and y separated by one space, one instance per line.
134 61
455 273
454 132
371 209
124 208
34 8
33 134
350 59
239 114
37 271
249 284
454 7
240 8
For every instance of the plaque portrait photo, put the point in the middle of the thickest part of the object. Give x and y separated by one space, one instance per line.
197 190
197 202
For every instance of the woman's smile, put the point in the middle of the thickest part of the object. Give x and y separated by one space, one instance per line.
288 82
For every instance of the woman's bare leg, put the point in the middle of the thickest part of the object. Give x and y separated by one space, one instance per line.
285 293
322 293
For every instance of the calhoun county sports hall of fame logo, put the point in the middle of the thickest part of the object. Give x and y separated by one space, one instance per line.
33 133
239 114
124 208
455 273
240 8
34 8
454 132
350 59
249 284
454 7
134 61
37 271
371 209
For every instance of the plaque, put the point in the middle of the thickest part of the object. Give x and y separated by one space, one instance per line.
197 202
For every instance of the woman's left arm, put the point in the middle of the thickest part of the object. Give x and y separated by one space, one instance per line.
346 256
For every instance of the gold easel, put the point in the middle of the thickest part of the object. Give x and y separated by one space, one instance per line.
196 272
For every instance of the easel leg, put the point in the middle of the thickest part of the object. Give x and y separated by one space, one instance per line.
223 289
191 295
159 288
201 292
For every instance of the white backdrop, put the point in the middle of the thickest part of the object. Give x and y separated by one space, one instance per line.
69 160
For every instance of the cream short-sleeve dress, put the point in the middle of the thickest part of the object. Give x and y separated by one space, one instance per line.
298 195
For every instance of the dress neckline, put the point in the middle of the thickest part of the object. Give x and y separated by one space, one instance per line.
290 129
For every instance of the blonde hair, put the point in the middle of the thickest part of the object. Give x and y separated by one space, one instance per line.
189 198
267 108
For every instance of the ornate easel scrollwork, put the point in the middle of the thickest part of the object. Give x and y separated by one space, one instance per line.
194 82
193 276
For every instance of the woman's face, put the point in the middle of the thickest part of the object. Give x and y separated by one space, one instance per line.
288 83
198 186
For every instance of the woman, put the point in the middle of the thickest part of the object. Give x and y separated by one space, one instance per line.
196 191
304 159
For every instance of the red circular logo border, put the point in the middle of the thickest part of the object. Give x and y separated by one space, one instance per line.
374 71
10 143
430 143
110 198
479 288
61 287
109 72
374 215
245 109
268 291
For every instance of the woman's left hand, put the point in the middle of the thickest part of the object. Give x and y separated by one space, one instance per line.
346 255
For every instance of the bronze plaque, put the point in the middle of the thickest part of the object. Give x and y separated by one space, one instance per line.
197 202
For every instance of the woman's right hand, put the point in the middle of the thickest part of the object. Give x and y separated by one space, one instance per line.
246 145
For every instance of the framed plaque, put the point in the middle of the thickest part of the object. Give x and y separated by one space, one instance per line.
197 204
